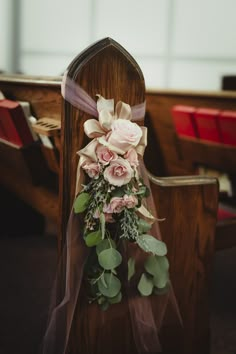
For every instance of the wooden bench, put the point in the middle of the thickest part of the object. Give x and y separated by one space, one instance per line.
24 171
181 155
178 199
190 244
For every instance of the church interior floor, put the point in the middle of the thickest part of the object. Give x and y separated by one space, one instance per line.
27 268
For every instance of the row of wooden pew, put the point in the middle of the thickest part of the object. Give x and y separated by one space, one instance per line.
188 203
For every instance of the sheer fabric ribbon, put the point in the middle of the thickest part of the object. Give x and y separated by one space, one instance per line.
145 327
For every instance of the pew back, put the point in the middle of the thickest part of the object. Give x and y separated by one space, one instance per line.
180 156
24 171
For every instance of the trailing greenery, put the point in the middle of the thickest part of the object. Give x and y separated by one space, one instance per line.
104 234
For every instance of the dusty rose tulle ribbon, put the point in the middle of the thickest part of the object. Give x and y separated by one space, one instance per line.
145 327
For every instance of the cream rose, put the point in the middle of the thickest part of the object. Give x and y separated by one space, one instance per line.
124 134
119 172
93 169
105 155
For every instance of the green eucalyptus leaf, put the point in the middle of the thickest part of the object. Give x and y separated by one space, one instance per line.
109 258
81 202
162 291
103 281
159 268
150 244
145 285
156 264
102 223
143 226
161 281
104 245
131 268
113 285
93 238
116 299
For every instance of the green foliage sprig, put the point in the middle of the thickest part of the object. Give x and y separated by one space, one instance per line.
105 235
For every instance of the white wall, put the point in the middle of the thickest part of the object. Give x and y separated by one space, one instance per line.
178 43
6 35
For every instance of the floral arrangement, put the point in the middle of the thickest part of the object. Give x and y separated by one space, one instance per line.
112 205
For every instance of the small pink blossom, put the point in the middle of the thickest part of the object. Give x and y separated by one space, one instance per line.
132 157
119 172
130 201
116 205
93 169
124 134
104 155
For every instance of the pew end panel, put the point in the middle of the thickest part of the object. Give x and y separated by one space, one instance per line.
189 206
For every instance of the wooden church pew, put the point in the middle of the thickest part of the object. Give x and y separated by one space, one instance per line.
189 205
178 200
181 155
24 171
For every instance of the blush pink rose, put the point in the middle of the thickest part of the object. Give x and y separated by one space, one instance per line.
116 205
124 134
130 201
104 155
119 172
93 169
132 157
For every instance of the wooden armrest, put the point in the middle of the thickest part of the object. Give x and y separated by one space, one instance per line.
189 206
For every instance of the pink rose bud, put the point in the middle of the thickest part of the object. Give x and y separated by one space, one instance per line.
104 155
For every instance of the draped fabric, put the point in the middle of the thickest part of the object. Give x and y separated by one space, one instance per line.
146 323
